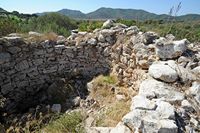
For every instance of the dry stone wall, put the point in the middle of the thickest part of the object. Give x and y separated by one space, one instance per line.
26 68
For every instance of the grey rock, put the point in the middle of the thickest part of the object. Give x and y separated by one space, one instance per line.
22 65
101 38
6 88
142 103
196 70
56 108
76 101
14 49
108 24
107 32
120 128
14 39
4 57
195 88
32 33
167 126
155 89
186 105
92 41
132 30
120 97
170 37
170 50
163 72
149 37
165 110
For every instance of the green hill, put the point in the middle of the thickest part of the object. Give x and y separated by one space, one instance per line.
2 10
72 13
111 13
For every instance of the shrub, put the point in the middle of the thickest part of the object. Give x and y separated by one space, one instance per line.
67 123
52 22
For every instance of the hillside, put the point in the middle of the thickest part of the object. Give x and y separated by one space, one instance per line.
111 13
2 10
105 13
72 13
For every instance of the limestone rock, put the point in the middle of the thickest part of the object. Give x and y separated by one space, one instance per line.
155 89
195 88
149 37
165 110
32 33
167 126
170 50
120 128
101 38
141 102
108 24
92 41
186 105
196 70
132 30
120 97
163 72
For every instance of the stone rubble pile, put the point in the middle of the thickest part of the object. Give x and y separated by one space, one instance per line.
168 100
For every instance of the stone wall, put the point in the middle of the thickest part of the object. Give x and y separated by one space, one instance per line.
28 67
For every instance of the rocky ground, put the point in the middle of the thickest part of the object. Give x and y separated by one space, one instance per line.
168 99
158 77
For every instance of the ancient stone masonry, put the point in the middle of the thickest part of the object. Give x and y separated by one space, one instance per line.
168 92
26 68
164 71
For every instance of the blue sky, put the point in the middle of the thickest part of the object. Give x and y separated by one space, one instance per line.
155 6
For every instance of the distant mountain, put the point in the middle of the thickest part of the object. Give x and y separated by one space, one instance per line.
106 13
111 13
2 10
72 13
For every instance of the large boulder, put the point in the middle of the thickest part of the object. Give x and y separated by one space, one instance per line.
141 102
108 24
160 119
170 49
151 88
120 128
163 71
149 37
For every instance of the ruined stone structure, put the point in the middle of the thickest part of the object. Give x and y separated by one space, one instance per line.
30 67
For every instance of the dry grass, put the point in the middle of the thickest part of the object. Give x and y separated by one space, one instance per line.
111 110
113 114
51 36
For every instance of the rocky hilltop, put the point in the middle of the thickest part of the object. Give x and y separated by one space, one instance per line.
162 70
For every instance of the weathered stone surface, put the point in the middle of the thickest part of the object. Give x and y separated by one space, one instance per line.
186 105
149 37
170 50
14 50
22 65
120 128
155 89
92 41
165 110
142 103
108 24
163 71
167 126
4 57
